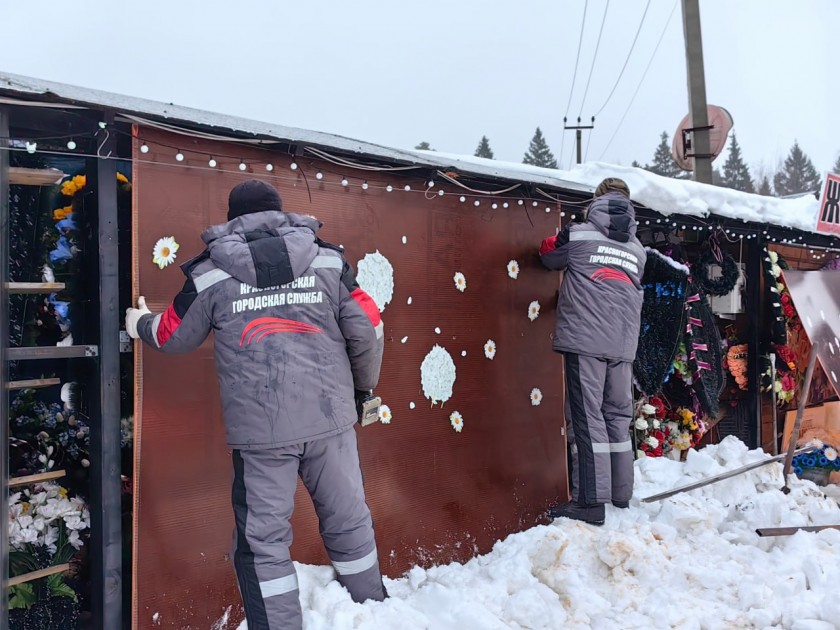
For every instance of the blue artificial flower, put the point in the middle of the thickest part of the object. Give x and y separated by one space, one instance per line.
797 470
62 308
810 461
823 461
68 223
62 251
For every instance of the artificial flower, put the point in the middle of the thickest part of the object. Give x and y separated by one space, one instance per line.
774 257
122 178
651 441
513 269
655 424
648 409
830 454
163 253
385 414
460 282
536 397
490 349
533 310
641 424
457 421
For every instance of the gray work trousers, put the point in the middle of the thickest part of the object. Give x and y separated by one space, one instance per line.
599 411
264 483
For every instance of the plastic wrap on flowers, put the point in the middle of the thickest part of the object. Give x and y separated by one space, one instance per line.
832 265
705 356
663 320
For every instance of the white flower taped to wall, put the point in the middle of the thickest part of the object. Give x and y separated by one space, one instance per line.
376 278
437 374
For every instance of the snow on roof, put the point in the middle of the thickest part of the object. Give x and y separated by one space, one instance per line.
662 194
666 195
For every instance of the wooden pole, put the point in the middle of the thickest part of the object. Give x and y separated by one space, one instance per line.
695 73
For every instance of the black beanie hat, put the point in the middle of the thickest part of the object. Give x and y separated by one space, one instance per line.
253 196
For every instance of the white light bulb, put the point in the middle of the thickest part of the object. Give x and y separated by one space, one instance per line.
505 204
179 156
440 192
494 206
647 222
242 166
477 202
365 186
71 144
431 184
31 147
144 148
562 214
319 175
683 227
547 209
212 163
462 199
344 182
293 166
269 167
535 203
407 188
389 188
520 202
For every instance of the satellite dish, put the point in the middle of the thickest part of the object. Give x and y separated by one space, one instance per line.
720 122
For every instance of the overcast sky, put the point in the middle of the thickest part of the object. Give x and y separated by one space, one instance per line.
447 72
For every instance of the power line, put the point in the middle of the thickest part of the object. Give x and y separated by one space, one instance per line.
641 81
574 77
594 58
624 67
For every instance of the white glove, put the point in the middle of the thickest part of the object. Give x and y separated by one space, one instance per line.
133 315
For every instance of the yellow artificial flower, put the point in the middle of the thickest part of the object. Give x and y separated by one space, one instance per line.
62 213
62 492
24 507
122 178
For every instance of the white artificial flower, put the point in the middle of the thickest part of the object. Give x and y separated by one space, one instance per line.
817 443
641 424
50 538
536 397
652 441
775 271
457 421
774 257
47 274
656 423
74 539
490 349
437 375
533 310
376 278
513 269
640 454
163 253
648 409
830 454
385 414
460 282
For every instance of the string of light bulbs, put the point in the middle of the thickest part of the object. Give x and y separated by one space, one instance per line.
430 189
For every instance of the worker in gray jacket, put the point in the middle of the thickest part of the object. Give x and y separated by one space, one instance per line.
297 344
597 330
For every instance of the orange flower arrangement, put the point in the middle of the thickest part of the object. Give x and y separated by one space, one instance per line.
736 358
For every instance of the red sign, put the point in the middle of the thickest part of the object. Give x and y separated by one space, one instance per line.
828 217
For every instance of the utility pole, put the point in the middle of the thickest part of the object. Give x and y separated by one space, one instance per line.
578 133
700 145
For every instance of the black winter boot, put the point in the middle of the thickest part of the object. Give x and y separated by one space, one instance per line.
592 514
621 504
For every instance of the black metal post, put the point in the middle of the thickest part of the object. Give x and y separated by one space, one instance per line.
754 311
4 368
800 411
106 506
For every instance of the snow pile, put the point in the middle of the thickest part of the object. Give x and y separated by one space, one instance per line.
663 194
691 561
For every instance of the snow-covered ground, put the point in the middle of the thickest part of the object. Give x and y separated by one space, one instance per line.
691 561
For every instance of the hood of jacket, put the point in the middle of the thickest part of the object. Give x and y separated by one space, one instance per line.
614 216
264 249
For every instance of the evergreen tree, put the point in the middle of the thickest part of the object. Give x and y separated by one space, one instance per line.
636 164
484 150
538 152
764 187
424 146
836 168
736 174
717 177
663 164
797 175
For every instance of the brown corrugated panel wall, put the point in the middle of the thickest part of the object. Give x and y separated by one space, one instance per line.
437 496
